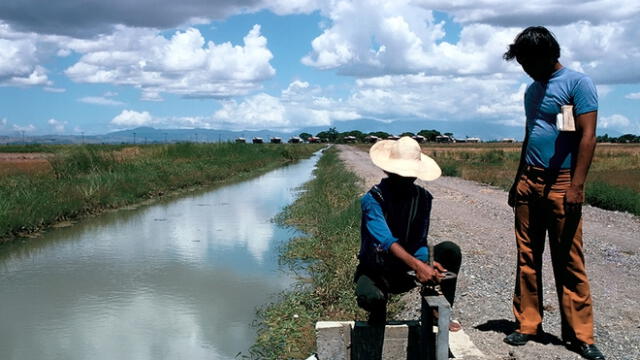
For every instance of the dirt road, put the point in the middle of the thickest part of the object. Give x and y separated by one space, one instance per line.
478 218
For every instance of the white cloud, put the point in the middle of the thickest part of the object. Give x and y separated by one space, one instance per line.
619 123
633 96
402 37
100 100
57 125
3 122
184 64
25 128
488 98
19 60
131 118
544 12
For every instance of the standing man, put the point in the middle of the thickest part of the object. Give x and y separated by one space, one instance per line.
548 192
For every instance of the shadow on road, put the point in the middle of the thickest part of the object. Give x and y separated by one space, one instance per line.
506 327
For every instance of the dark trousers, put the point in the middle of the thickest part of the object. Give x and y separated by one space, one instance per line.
373 289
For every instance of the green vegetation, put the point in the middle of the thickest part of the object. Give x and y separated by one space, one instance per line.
88 178
329 213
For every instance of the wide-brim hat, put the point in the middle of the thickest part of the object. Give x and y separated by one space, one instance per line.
405 158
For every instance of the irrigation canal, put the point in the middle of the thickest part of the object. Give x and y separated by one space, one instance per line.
179 279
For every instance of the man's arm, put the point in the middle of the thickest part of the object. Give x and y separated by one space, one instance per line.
424 272
586 130
512 192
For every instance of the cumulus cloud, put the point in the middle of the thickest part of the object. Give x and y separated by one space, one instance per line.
493 98
184 64
131 118
633 96
403 37
3 122
57 125
299 105
521 14
619 123
19 59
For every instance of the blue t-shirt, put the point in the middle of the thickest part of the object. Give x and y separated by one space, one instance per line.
548 147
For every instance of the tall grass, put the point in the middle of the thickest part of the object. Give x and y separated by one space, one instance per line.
329 213
86 179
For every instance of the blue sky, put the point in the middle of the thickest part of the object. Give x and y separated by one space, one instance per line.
89 66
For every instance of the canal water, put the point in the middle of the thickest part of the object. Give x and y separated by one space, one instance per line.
175 280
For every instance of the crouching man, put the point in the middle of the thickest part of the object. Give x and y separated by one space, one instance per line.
394 228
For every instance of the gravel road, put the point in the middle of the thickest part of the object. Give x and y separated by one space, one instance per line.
477 218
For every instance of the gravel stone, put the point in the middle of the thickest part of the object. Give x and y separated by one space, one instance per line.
477 218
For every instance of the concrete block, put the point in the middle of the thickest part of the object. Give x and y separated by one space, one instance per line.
333 340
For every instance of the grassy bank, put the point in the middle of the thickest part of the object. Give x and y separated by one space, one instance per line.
329 212
81 180
613 182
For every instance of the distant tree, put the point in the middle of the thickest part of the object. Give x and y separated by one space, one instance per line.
430 135
305 136
448 134
331 134
603 138
628 138
407 134
381 134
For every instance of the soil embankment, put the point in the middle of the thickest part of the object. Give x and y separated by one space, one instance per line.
477 217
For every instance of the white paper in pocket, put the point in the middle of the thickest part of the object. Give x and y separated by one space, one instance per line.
565 120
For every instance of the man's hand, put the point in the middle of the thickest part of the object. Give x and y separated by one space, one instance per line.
426 273
573 198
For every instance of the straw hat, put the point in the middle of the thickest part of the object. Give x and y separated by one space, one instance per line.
405 158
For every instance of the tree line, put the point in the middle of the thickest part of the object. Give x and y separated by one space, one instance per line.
332 135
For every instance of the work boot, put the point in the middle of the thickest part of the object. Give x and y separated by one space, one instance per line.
518 339
587 351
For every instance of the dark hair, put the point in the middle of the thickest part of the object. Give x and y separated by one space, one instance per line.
534 41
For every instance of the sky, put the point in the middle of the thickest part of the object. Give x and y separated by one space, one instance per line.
92 66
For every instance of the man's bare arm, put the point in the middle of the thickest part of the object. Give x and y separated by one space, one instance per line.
586 130
424 272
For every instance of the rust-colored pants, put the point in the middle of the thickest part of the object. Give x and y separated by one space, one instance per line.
540 210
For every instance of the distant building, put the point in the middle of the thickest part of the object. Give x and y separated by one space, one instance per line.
295 140
371 139
241 140
257 140
419 138
444 139
350 139
276 140
393 137
473 140
313 140
508 140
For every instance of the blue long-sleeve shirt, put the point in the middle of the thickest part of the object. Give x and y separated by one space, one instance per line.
379 232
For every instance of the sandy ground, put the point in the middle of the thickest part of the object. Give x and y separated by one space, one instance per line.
477 218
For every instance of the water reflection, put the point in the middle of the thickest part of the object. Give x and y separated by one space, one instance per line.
179 279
